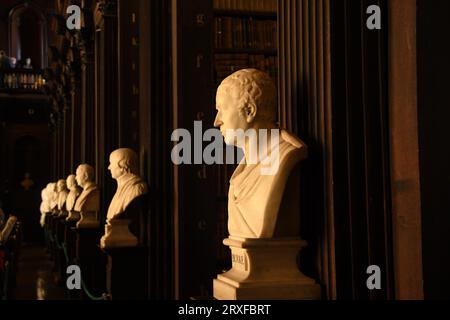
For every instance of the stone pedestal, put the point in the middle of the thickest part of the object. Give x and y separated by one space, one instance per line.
70 239
118 235
88 220
63 214
60 262
47 230
265 269
90 260
73 216
126 272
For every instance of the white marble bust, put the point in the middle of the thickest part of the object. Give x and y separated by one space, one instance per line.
74 192
124 168
63 192
53 196
45 204
245 101
89 199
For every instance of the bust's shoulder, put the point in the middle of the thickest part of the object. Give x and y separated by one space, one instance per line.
292 146
138 185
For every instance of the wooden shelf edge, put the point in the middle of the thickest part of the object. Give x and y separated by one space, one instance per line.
271 52
248 14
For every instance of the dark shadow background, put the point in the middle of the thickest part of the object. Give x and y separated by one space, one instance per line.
433 52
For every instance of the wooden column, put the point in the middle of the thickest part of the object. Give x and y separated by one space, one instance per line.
197 211
91 261
433 69
305 109
75 135
155 122
88 102
333 94
125 273
107 99
128 44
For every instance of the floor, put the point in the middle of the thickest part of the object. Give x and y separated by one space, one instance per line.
35 277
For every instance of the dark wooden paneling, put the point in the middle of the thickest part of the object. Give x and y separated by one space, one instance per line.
75 135
433 69
128 46
197 185
305 109
155 121
333 78
107 115
405 173
362 187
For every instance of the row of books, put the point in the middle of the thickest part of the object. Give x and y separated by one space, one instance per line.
243 33
226 64
246 5
12 80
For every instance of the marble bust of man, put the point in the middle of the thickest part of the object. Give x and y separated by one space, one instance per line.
89 199
53 196
74 193
45 204
259 205
62 194
124 168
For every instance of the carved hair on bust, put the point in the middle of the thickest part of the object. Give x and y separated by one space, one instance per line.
253 87
126 159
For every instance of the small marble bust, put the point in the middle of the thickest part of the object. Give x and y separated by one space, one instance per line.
259 205
88 203
63 192
124 168
28 64
53 197
74 193
45 205
88 199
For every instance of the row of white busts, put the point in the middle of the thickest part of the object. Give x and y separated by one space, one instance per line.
77 198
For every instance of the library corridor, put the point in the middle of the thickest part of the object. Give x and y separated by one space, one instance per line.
127 130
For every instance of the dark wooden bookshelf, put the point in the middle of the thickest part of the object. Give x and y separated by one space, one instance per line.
266 52
203 217
245 14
